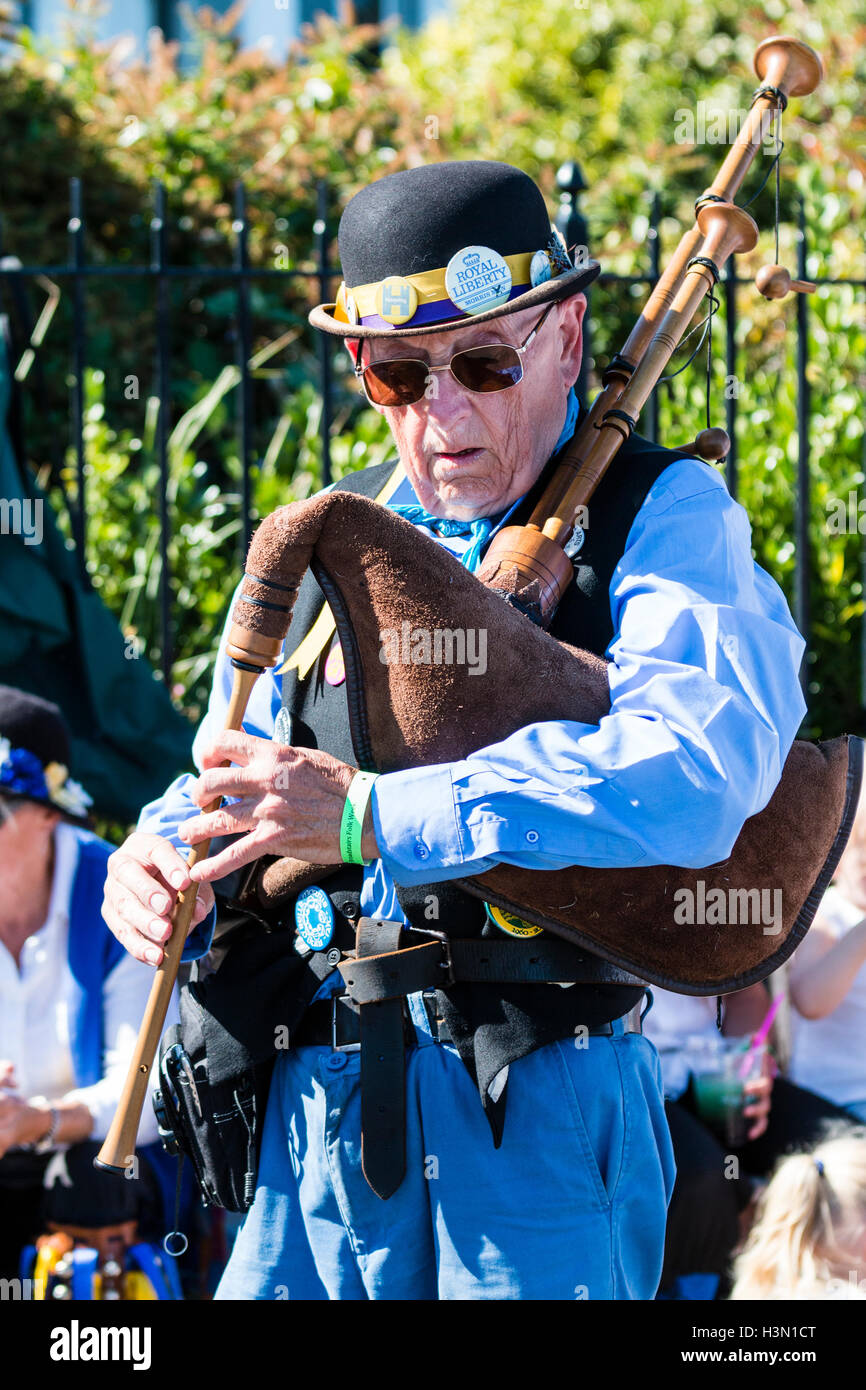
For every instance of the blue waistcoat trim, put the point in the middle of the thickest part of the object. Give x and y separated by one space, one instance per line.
93 954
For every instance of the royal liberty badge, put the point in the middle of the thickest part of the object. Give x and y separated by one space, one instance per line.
510 923
314 918
477 279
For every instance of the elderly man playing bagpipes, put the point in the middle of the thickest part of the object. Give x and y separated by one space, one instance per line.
460 866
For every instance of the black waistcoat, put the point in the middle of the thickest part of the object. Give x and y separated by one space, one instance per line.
491 1025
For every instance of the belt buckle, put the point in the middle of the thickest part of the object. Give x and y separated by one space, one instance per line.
335 1046
448 963
434 1018
428 1000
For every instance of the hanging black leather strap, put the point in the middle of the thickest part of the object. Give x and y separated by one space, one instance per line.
383 1076
378 981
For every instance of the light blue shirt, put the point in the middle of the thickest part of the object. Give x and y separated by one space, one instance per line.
705 704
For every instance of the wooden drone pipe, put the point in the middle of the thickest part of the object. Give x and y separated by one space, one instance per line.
774 282
725 229
712 445
523 559
795 70
539 557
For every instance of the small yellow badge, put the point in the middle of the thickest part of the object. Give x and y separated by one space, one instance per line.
510 923
396 299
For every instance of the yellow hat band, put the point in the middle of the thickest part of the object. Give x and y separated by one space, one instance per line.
416 299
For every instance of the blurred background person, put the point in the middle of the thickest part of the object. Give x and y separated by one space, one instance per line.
714 1198
71 999
809 1238
828 986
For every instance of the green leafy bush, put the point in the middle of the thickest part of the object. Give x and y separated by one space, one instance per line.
504 79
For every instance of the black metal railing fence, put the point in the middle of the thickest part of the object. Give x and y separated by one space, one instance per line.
79 272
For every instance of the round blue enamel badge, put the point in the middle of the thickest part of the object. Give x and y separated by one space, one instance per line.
314 918
477 278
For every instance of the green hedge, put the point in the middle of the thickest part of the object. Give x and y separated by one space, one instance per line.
496 79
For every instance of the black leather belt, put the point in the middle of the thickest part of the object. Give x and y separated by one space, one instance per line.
385 972
372 1017
336 1023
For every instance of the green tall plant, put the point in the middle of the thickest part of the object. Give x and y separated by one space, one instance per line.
504 79
124 553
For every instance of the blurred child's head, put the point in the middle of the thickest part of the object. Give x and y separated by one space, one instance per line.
809 1237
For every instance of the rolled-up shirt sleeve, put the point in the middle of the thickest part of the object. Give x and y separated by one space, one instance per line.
705 704
168 812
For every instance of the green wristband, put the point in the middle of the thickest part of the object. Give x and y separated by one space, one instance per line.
352 824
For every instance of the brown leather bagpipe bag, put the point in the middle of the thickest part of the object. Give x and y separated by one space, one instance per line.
377 571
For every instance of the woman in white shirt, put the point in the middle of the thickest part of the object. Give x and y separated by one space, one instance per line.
70 1003
828 986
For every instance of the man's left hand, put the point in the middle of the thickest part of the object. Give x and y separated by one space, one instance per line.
291 802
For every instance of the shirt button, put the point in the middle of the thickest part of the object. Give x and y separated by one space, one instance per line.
532 836
335 1061
333 956
421 850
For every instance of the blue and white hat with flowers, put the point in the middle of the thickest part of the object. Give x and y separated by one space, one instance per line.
34 755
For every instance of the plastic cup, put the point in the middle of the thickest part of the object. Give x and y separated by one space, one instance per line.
719 1088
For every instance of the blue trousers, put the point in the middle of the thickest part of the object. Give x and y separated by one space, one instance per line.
571 1206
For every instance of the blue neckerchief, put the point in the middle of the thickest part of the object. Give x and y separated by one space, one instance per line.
570 420
479 530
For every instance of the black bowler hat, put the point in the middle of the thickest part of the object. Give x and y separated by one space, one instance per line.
444 245
34 755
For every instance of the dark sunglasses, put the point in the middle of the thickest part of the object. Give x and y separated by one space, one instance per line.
403 380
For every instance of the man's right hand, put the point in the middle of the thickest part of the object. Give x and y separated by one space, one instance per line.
144 878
